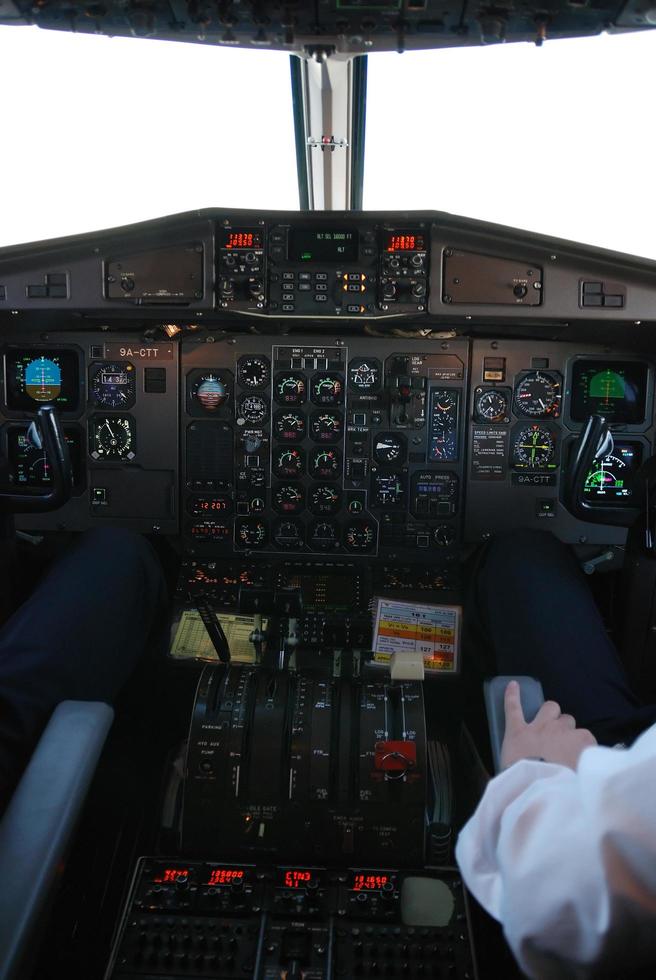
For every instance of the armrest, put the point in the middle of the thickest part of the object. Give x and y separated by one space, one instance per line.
38 823
532 696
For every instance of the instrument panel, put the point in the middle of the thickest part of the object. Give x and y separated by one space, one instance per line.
399 450
342 387
334 452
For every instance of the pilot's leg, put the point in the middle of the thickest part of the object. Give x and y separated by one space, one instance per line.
78 636
535 609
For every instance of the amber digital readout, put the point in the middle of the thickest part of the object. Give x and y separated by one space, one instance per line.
405 242
242 239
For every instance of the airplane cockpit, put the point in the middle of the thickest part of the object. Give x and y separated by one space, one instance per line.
318 417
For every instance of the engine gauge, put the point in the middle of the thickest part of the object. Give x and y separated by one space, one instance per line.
323 536
365 374
253 372
289 426
538 394
325 464
112 437
114 385
250 533
288 462
290 388
253 408
326 426
288 534
325 499
491 405
327 389
360 536
389 448
209 391
534 448
288 499
388 490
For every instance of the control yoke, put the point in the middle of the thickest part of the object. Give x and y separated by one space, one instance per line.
49 431
594 443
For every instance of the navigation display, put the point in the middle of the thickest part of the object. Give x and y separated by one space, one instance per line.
332 245
45 377
29 463
615 389
610 480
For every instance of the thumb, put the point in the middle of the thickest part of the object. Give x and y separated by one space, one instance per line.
513 708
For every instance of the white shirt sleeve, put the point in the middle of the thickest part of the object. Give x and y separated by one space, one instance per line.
566 860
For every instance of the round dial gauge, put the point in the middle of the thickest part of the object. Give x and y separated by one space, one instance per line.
325 464
389 448
323 536
253 372
289 426
250 533
534 447
288 462
327 389
326 426
388 490
290 388
365 374
288 534
210 391
444 535
538 395
253 408
491 405
359 536
111 437
114 385
324 499
288 499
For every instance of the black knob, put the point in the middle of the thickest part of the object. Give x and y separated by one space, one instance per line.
417 261
520 291
419 290
395 263
250 258
229 260
389 290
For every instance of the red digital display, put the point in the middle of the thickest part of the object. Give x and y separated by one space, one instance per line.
225 876
369 883
297 878
206 505
172 876
405 242
242 239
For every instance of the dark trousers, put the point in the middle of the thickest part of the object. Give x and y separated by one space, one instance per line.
531 606
77 637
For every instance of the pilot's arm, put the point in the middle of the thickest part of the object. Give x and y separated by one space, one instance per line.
563 852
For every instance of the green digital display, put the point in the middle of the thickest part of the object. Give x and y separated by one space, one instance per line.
615 389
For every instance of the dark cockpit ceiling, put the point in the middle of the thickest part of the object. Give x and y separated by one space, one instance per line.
346 26
373 388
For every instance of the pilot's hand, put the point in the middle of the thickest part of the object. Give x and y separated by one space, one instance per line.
551 736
